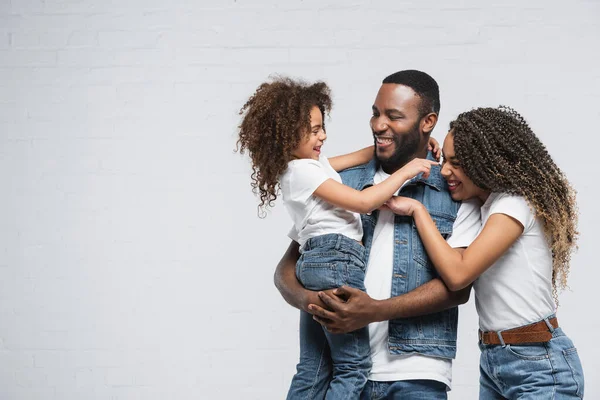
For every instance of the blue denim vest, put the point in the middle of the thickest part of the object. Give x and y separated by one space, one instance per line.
434 334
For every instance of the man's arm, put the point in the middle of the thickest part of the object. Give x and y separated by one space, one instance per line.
363 156
360 309
429 298
432 297
285 281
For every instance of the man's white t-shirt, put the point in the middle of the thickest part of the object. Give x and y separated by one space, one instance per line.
517 289
313 216
378 282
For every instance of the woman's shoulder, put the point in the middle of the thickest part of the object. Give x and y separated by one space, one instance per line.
513 205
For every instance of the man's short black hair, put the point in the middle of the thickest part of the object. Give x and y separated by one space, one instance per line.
424 86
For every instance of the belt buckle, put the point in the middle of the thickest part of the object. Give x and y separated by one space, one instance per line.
480 336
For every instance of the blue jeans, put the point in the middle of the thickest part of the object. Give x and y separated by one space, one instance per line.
549 370
409 390
331 366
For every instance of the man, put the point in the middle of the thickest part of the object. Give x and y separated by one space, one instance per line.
412 315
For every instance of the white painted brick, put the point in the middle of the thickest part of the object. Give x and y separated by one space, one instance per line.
17 360
24 40
31 377
85 58
4 40
128 39
143 57
28 393
27 58
27 6
118 377
5 7
82 39
90 378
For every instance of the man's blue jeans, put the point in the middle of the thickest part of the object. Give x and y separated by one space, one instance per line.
549 370
331 366
405 390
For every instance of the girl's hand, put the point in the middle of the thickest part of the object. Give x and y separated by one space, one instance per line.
417 166
434 147
402 205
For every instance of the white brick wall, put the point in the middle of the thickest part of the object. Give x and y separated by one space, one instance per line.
132 262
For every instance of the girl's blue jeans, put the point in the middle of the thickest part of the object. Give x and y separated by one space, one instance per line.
331 366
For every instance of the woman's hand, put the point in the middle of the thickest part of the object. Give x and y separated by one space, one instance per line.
402 205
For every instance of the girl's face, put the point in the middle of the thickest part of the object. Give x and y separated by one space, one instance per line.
310 146
459 184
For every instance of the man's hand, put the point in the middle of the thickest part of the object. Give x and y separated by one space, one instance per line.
348 310
434 147
310 297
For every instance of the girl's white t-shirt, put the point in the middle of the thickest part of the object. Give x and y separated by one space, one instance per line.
517 289
313 216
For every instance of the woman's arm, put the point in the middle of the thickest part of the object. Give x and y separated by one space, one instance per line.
373 197
460 270
359 157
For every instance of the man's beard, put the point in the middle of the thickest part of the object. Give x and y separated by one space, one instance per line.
405 150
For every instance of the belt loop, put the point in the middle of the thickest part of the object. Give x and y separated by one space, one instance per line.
338 244
499 333
549 325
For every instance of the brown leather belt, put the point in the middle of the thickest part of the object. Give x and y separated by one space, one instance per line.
538 332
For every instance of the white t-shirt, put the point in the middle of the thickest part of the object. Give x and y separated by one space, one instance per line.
517 289
313 216
378 282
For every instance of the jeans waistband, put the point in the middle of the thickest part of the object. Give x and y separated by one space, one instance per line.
335 241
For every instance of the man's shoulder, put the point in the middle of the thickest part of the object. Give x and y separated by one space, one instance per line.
359 176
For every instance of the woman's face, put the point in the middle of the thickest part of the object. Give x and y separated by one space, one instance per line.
459 184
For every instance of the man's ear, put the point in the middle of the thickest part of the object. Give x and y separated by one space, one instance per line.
428 123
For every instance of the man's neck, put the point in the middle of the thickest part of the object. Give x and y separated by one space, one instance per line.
390 169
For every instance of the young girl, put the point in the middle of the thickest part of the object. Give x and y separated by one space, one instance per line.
519 259
283 131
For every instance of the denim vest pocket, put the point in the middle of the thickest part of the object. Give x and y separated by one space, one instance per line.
444 225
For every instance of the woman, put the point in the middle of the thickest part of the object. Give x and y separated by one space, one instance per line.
520 258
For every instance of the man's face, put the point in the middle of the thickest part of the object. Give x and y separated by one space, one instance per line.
396 126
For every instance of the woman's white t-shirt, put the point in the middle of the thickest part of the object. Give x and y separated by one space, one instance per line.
517 289
313 216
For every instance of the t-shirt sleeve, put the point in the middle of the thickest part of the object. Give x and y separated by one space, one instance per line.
305 177
294 234
467 224
515 207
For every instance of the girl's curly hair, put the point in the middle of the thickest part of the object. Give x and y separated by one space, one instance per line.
275 120
500 153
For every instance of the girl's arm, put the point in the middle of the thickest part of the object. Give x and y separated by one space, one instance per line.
359 157
373 197
459 270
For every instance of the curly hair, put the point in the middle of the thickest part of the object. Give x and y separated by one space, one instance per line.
499 152
275 120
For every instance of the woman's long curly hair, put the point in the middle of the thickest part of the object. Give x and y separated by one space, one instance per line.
275 120
499 152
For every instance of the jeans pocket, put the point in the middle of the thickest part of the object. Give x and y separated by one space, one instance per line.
528 352
572 359
318 276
